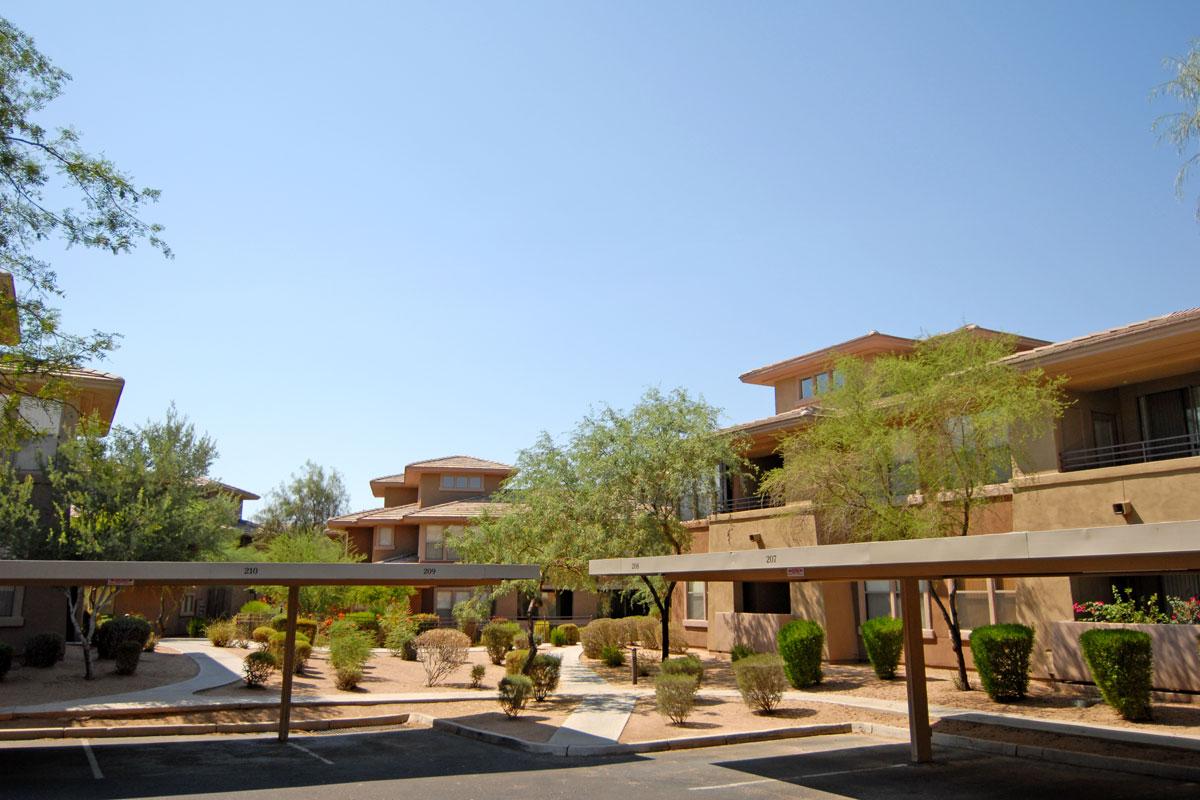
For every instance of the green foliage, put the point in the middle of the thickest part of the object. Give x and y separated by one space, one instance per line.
545 673
257 667
349 648
1001 654
686 665
398 632
514 661
308 546
675 696
305 503
196 626
741 651
541 630
477 673
347 678
570 631
800 642
1181 129
761 680
470 613
256 607
612 656
44 650
221 632
125 628
369 624
51 189
1121 663
6 659
128 653
420 623
884 641
262 634
514 694
599 634
558 637
1126 609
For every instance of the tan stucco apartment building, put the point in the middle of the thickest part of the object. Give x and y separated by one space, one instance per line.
1127 450
423 507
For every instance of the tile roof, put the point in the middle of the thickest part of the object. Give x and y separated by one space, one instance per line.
460 462
457 509
1111 335
373 515
245 494
411 513
774 421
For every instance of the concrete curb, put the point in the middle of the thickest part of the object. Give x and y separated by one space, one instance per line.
184 729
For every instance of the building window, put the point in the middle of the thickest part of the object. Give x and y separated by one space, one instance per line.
823 383
985 601
187 605
447 599
11 601
436 548
806 388
882 599
763 597
384 538
462 482
697 606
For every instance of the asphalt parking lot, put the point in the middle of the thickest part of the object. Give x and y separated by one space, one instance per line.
431 764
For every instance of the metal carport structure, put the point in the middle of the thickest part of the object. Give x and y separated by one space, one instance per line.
1147 548
293 576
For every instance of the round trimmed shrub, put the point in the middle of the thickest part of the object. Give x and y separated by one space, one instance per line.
601 633
514 661
800 643
683 665
1001 654
514 694
761 680
124 628
675 696
348 678
221 632
545 672
6 657
1121 662
44 650
441 651
257 667
420 623
612 656
303 625
127 656
477 673
256 607
570 632
262 634
557 637
884 641
498 638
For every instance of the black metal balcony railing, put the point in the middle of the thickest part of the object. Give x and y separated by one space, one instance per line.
754 501
1130 453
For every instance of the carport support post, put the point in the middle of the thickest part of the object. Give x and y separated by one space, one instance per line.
289 657
919 733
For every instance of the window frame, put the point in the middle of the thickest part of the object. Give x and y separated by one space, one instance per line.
390 544
452 479
689 594
445 550
894 604
187 604
16 617
991 590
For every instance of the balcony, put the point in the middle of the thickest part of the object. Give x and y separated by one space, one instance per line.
750 502
1130 453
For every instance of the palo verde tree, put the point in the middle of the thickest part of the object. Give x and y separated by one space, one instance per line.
906 445
1181 129
614 489
305 502
50 189
133 495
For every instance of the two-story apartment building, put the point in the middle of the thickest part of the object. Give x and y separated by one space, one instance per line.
1127 450
423 507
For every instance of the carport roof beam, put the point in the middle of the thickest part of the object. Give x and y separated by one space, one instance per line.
165 573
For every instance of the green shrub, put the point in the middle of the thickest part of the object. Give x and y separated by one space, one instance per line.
477 673
675 696
349 649
420 623
514 693
398 631
761 680
558 638
257 607
304 625
44 650
347 678
684 665
545 673
303 653
120 629
1121 663
195 627
498 638
571 632
514 661
800 643
645 630
541 630
151 644
220 632
884 641
1001 654
612 656
741 651
6 658
129 652
262 634
441 651
600 633
521 640
368 623
257 667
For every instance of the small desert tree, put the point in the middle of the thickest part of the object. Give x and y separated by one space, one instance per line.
904 446
1181 129
305 502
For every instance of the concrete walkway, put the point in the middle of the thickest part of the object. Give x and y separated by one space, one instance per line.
604 710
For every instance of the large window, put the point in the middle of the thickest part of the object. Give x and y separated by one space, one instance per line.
462 482
447 599
436 548
882 599
985 601
761 597
697 606
10 606
385 538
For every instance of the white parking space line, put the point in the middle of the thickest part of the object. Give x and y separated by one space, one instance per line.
304 749
91 757
792 778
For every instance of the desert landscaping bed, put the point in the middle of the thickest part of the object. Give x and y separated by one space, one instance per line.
27 686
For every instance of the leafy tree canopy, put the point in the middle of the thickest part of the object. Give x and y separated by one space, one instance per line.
305 502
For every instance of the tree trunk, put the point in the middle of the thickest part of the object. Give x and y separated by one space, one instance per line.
664 609
76 606
534 604
949 611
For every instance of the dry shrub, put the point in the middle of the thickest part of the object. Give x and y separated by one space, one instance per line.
441 651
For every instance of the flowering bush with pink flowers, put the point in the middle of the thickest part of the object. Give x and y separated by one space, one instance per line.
1126 609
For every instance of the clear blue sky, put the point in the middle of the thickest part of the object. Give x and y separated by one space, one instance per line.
433 229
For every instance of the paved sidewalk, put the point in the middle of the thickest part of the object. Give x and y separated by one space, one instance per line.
604 710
